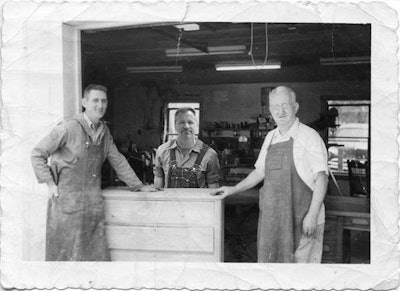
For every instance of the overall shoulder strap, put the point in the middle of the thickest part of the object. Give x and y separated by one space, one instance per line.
172 156
201 154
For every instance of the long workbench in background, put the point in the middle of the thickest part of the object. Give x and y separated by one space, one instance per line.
344 214
171 225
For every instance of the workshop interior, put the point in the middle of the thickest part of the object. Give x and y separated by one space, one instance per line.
225 71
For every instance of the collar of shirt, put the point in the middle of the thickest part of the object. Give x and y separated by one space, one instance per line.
195 148
292 132
95 133
91 124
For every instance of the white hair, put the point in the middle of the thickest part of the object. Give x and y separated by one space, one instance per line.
283 89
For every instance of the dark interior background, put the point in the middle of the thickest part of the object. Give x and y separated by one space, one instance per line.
137 99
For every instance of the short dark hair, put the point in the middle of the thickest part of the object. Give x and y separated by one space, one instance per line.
94 87
184 110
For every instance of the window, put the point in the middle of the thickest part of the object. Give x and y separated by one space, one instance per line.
350 139
171 109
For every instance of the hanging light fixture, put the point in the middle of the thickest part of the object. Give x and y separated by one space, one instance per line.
212 50
248 66
155 69
253 65
344 61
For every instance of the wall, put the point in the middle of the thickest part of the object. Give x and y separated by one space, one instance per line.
233 102
33 102
137 115
137 107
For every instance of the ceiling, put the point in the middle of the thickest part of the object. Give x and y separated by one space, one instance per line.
106 54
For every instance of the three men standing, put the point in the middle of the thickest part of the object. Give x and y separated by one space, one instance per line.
78 147
293 166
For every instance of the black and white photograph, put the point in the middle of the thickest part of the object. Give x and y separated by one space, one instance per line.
199 145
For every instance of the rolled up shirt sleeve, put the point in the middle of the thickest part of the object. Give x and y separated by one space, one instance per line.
318 155
213 172
310 155
44 149
158 164
122 167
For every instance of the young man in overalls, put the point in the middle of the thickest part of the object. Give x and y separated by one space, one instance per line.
186 162
293 165
78 147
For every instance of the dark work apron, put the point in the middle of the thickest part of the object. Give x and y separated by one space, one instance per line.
284 201
75 220
179 177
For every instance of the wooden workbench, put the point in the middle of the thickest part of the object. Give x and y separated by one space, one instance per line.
343 213
171 225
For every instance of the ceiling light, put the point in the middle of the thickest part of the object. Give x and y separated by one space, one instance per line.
188 26
155 69
344 61
212 50
247 67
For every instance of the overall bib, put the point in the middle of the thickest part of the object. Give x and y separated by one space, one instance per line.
284 201
179 177
75 220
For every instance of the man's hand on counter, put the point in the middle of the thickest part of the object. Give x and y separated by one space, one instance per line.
223 191
149 188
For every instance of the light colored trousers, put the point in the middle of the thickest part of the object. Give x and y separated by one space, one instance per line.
310 248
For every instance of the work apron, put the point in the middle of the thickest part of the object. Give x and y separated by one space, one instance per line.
180 177
284 201
75 220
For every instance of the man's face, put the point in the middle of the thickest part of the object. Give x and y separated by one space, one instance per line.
283 108
186 125
96 104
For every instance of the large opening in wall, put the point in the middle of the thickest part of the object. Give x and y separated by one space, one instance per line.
147 67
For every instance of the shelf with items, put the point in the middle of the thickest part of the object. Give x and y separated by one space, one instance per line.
226 132
236 143
218 125
248 141
233 174
258 133
257 137
226 129
252 131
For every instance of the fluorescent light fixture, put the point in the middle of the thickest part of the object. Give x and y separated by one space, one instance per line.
344 61
188 26
247 67
212 50
155 69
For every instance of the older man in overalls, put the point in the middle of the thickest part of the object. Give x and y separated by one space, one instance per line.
78 147
186 162
293 165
